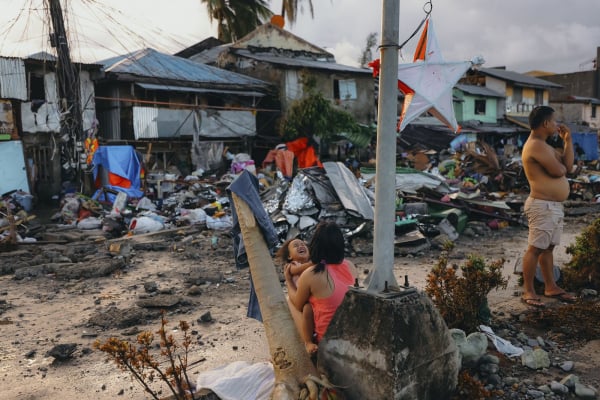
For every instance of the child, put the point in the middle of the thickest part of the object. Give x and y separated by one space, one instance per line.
294 253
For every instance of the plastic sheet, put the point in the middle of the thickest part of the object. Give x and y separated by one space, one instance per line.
239 380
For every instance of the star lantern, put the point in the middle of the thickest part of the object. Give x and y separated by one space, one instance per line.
427 82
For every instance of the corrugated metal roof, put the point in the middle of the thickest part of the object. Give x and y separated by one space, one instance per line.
301 62
153 64
521 79
478 90
170 88
13 79
582 99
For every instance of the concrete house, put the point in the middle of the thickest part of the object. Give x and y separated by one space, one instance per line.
277 56
521 92
33 149
477 103
164 105
578 109
577 99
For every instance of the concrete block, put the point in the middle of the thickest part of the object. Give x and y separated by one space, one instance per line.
385 347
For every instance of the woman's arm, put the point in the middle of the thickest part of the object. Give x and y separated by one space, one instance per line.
297 268
298 294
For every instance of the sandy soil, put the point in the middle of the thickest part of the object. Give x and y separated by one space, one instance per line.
40 312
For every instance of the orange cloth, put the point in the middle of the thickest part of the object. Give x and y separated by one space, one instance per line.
306 155
283 159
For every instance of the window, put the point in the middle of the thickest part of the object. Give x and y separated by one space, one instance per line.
593 111
36 87
479 107
539 97
517 95
344 89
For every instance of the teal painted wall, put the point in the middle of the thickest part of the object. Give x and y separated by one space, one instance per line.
465 110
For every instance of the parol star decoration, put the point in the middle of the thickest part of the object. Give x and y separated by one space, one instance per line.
427 82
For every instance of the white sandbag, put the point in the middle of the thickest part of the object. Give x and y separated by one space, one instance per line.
90 223
145 224
145 204
239 380
224 222
194 216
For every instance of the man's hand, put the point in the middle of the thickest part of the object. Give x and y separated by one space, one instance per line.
564 133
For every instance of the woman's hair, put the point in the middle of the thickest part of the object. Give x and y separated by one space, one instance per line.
327 245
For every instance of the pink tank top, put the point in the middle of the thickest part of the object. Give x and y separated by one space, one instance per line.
324 308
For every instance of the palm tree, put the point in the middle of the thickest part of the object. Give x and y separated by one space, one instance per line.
291 8
291 362
236 18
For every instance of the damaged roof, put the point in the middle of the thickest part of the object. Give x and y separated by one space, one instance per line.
299 62
518 79
478 90
153 64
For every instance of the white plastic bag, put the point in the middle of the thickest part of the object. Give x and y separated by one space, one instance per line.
145 224
90 223
239 380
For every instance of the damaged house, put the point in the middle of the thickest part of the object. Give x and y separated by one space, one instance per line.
32 149
287 61
165 105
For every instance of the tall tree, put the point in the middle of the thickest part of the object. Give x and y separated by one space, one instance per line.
289 8
367 54
236 18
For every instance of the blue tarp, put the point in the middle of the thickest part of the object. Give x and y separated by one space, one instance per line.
122 161
589 143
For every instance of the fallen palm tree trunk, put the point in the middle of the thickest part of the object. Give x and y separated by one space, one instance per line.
291 362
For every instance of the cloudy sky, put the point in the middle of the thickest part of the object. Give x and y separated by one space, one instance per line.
523 35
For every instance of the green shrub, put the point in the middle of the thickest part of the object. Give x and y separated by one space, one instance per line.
583 271
461 297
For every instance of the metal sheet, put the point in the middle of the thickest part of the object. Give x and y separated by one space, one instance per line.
12 167
13 79
144 122
348 189
171 88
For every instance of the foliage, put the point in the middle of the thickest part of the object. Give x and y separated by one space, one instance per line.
578 321
237 18
289 8
145 367
314 115
461 298
471 388
584 268
367 55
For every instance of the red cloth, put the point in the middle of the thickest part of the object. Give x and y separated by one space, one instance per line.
305 154
325 308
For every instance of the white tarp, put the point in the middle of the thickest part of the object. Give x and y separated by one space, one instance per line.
151 122
12 167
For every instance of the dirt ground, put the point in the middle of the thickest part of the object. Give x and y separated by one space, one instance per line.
183 270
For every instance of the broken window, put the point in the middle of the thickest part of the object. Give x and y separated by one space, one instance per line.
479 107
36 87
37 91
344 89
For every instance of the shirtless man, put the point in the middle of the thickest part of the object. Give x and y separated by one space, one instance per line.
546 169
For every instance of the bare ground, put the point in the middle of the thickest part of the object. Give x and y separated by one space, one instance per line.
192 278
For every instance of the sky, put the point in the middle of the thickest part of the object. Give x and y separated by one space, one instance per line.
522 35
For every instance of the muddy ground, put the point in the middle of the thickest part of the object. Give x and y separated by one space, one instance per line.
87 288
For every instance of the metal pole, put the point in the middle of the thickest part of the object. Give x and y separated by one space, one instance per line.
385 176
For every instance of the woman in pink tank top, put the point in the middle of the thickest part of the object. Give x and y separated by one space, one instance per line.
325 284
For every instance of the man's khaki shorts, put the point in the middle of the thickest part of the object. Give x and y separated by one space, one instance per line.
545 219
